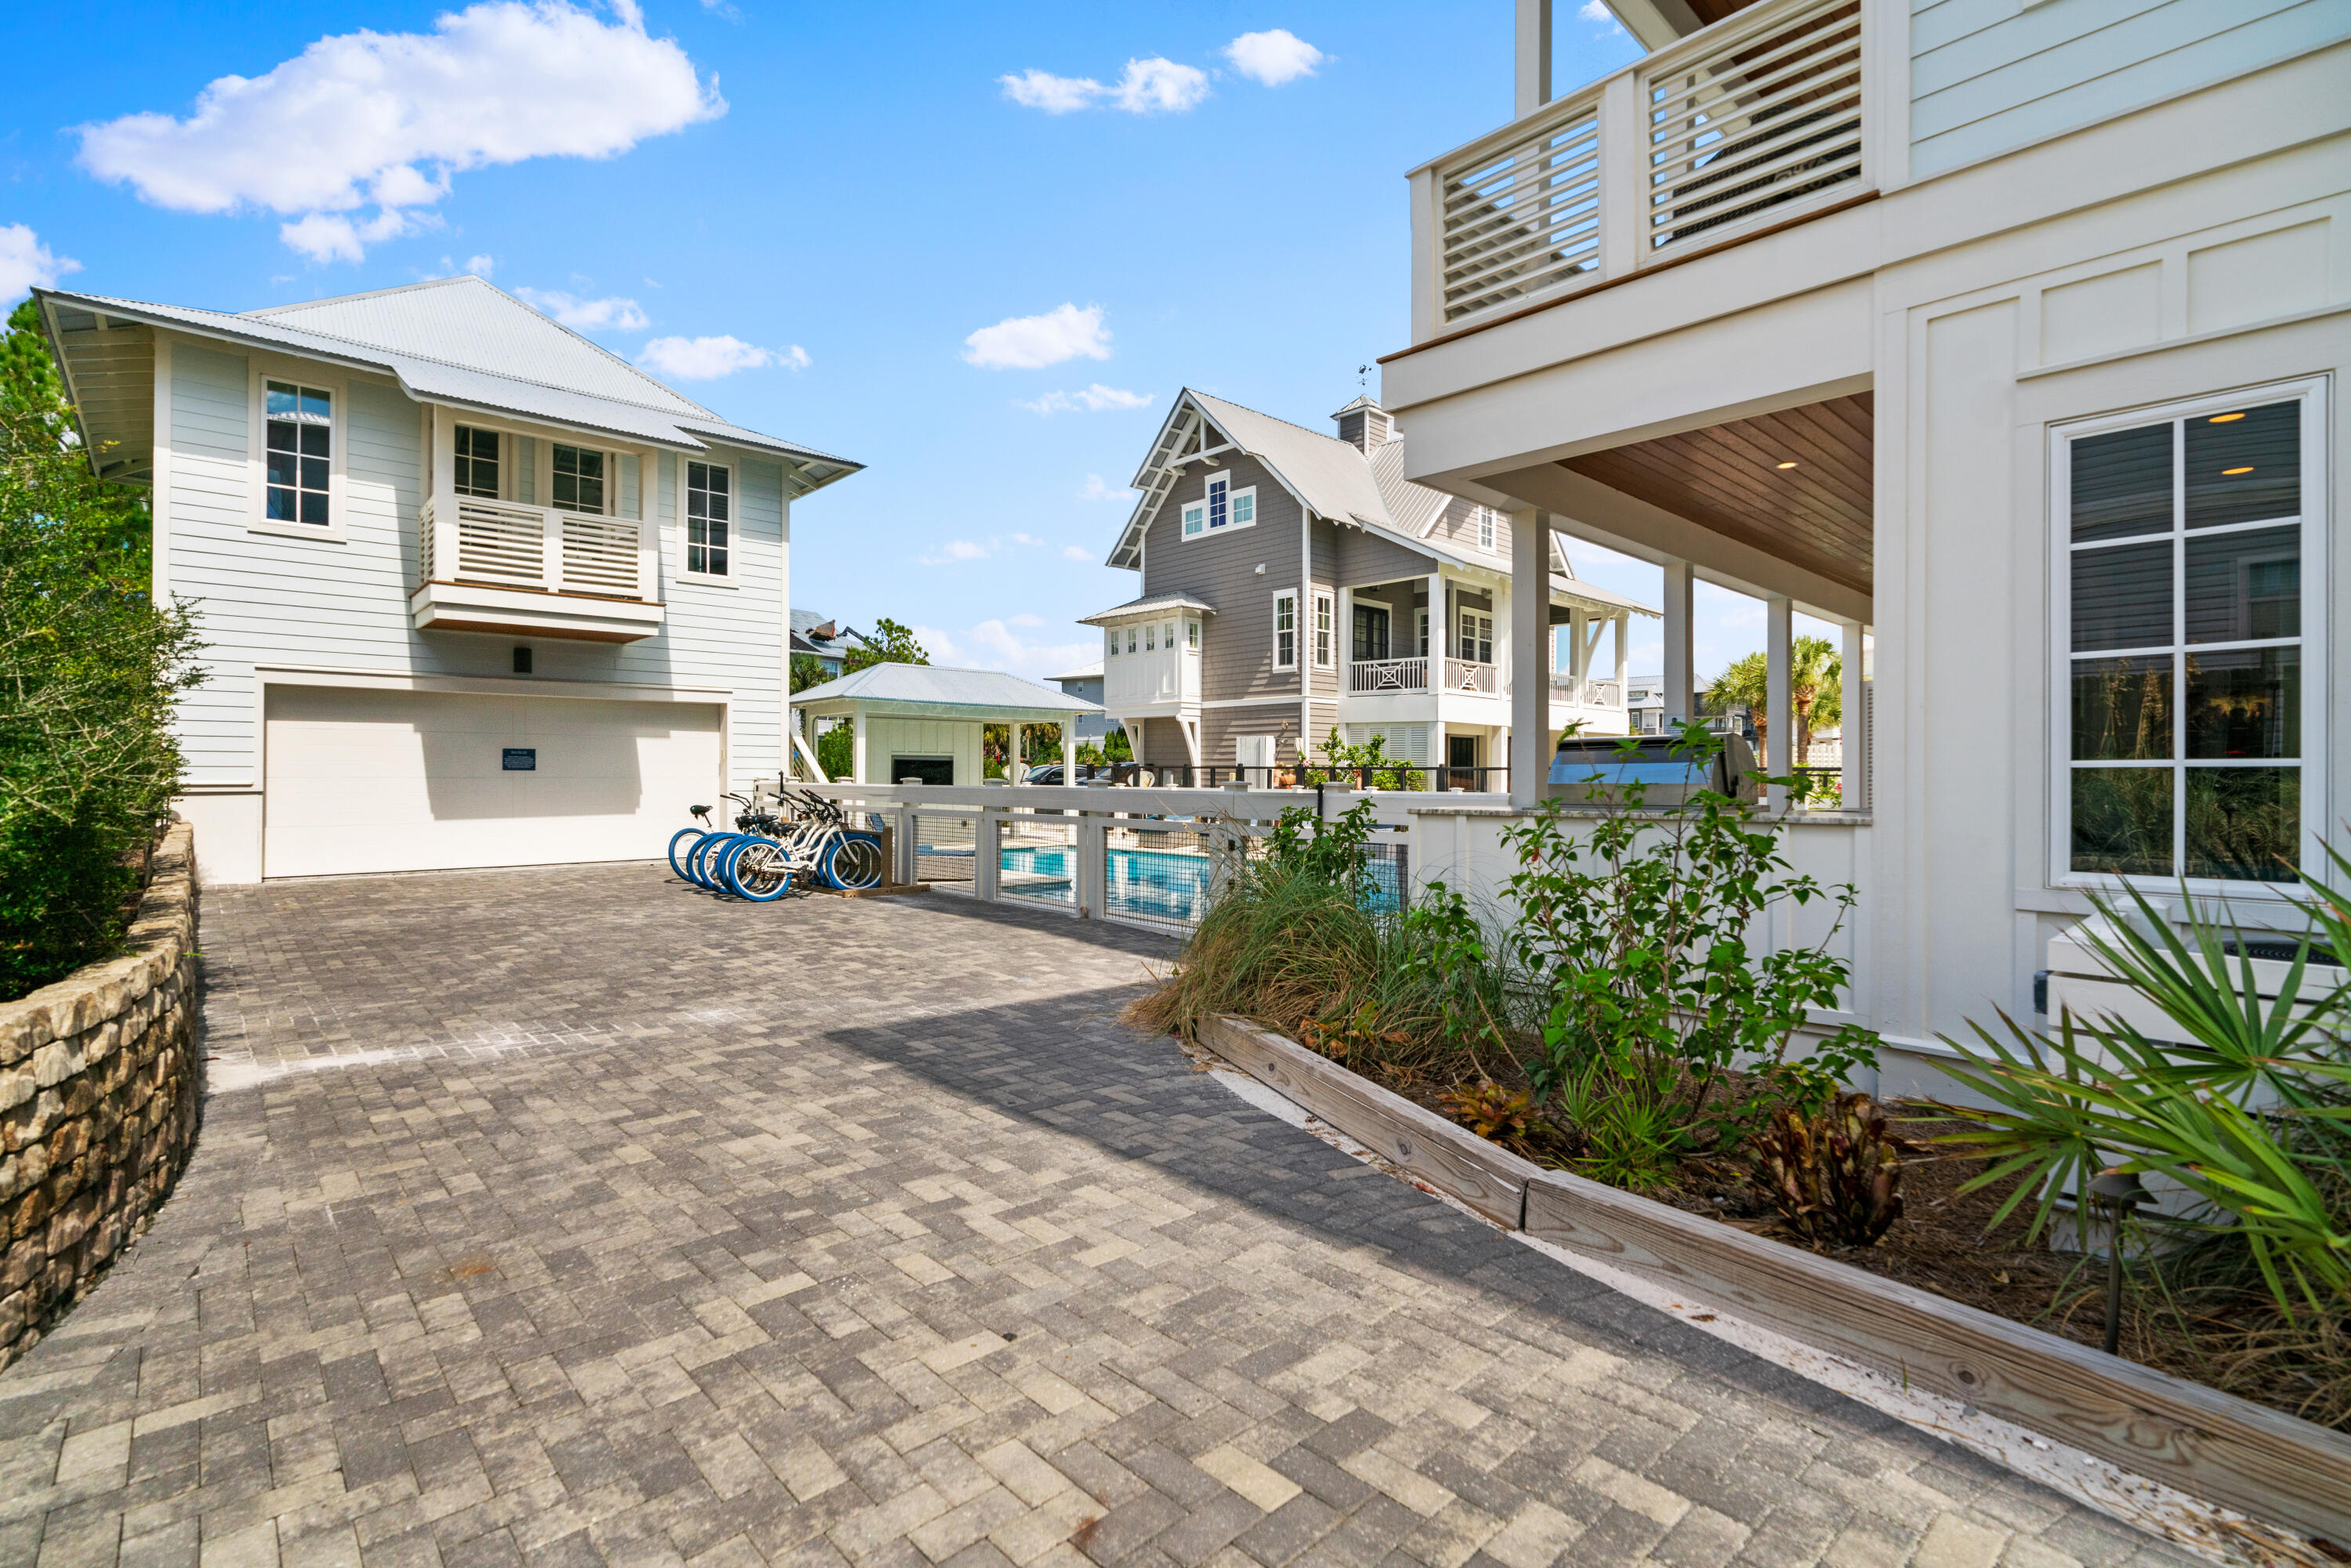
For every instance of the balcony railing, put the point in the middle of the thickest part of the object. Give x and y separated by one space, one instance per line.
1464 675
1586 693
1366 675
1742 121
506 545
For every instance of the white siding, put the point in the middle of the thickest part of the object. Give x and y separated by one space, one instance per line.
1988 74
266 599
958 739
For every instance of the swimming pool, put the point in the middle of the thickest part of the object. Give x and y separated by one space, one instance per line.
1155 884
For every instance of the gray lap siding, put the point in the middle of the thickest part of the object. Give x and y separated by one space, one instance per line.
1220 570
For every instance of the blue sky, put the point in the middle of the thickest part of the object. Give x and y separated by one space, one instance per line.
825 204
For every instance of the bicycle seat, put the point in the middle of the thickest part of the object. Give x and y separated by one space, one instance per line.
699 810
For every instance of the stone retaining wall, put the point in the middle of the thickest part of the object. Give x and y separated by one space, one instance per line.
98 1095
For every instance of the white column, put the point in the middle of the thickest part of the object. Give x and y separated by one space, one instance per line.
1624 681
857 774
1069 750
1529 697
1534 74
1014 748
1438 634
1681 679
1779 705
986 854
1855 723
443 482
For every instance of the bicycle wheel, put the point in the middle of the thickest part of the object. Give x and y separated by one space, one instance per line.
702 862
681 844
757 869
853 863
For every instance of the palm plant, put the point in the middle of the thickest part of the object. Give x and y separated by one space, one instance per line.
1815 689
2249 1115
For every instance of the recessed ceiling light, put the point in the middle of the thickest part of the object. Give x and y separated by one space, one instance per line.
2225 472
2223 418
1785 465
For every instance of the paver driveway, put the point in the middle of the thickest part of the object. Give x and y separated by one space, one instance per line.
569 1215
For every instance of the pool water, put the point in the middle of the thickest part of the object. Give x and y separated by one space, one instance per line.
1153 883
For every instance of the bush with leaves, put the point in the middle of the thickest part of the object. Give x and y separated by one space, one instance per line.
1835 1177
1659 1017
1364 767
90 671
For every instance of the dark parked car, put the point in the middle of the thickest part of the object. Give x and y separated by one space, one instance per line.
1116 772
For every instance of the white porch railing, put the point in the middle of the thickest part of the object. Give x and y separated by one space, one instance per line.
508 545
1465 675
1388 675
1587 692
1741 121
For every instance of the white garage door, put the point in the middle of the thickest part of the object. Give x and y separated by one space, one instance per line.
377 780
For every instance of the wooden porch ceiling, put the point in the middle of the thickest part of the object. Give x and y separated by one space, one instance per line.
1815 515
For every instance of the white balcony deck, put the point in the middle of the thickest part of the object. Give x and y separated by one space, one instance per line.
1752 123
501 566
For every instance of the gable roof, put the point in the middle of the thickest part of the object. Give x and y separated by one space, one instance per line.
933 687
1332 478
464 343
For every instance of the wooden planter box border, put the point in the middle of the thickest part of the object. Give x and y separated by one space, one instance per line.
2211 1445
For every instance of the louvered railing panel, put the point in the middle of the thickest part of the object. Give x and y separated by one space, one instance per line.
600 556
425 541
501 543
1768 117
1524 219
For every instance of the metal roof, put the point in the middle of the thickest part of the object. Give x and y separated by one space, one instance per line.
1154 603
469 344
979 693
1332 478
1093 671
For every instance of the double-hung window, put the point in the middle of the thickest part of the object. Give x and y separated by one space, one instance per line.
1245 507
301 448
1195 517
1477 643
709 518
1325 632
1221 500
1486 527
2192 673
1285 630
578 479
477 462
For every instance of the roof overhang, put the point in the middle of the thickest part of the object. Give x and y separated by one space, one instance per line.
974 713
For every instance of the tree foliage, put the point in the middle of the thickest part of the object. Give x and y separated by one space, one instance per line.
888 643
89 670
1815 686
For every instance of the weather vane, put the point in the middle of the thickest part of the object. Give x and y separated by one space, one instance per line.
1364 378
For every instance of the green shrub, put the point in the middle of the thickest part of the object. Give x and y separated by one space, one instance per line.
1660 1022
90 669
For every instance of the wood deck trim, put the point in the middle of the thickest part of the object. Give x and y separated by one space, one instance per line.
2272 1466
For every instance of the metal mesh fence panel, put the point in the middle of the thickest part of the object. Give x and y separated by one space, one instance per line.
1039 857
1160 878
943 851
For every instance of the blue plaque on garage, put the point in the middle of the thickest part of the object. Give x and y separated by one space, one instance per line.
521 759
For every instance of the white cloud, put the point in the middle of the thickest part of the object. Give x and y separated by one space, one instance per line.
706 358
384 120
1054 95
1024 540
1597 12
1275 57
26 263
996 645
1093 489
1094 400
610 314
1076 552
479 265
957 550
1158 86
1032 342
1024 621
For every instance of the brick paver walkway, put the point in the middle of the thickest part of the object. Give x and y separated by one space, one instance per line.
569 1216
